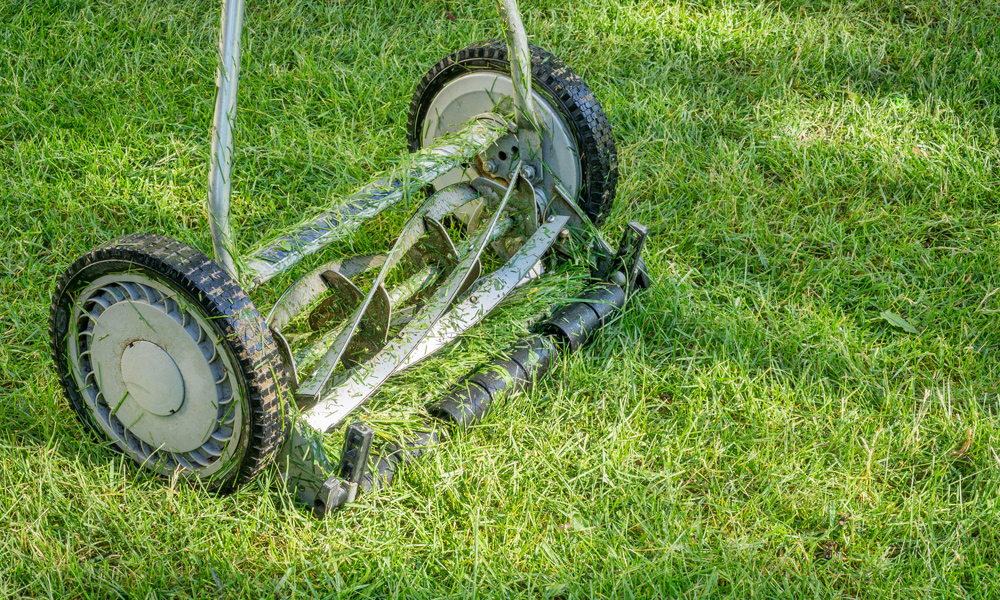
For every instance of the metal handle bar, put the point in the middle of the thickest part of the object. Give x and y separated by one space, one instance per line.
220 182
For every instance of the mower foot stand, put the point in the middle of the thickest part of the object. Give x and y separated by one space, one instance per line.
308 472
354 457
314 479
318 483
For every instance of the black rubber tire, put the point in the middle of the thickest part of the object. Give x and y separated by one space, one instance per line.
552 78
219 298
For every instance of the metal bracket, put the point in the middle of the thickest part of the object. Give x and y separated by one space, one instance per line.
525 147
308 472
354 456
585 232
622 269
313 477
530 153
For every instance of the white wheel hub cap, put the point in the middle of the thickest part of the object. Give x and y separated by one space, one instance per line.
152 378
154 375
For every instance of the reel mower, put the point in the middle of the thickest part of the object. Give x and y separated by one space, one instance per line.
162 352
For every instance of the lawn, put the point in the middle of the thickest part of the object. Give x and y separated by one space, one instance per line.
806 405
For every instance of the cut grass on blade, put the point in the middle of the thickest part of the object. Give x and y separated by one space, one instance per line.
753 426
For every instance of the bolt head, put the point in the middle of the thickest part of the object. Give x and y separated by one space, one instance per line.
491 166
529 172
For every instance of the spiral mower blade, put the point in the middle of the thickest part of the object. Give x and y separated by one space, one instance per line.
363 468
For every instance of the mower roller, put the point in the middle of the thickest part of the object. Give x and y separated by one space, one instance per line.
162 352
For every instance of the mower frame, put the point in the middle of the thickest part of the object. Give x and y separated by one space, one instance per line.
510 199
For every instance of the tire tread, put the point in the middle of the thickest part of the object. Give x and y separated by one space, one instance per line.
595 140
224 303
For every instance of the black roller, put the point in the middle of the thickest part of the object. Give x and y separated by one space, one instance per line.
395 454
464 404
574 324
535 354
470 400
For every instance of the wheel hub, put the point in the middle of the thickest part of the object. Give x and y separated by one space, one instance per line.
153 376
478 92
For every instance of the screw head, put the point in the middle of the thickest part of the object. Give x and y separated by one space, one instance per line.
491 166
529 172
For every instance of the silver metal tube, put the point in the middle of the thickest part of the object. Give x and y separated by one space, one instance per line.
220 183
339 219
520 65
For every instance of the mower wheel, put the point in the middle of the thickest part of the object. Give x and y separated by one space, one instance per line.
161 352
577 141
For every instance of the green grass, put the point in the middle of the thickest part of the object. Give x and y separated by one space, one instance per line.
751 427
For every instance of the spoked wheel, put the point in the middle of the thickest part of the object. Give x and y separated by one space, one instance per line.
161 352
577 142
